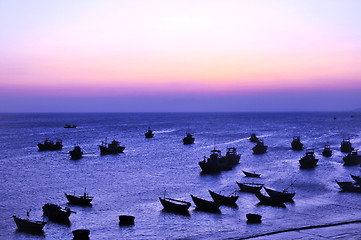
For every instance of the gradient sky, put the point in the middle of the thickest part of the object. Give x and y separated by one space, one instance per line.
161 55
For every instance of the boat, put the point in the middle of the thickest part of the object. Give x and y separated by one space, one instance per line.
189 139
231 158
69 126
253 138
149 133
253 218
206 205
327 152
55 213
111 148
76 153
81 234
174 205
271 201
296 143
352 159
83 200
309 160
285 195
30 226
346 145
251 174
250 187
49 145
217 163
229 200
357 179
349 187
126 220
260 148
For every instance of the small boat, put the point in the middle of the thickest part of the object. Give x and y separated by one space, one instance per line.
149 134
357 179
296 143
174 205
55 213
206 205
346 145
69 126
250 187
189 139
251 174
126 220
352 159
260 148
327 152
253 218
76 153
111 148
30 226
349 187
80 234
253 138
284 195
229 200
309 160
49 145
271 201
83 200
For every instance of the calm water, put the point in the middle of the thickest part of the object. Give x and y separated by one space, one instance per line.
130 183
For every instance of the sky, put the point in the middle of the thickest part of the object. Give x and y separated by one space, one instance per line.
161 55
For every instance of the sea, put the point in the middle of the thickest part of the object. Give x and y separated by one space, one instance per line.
131 183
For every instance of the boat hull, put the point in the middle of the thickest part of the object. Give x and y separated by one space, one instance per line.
223 200
285 196
75 200
349 187
250 187
206 205
249 174
55 213
126 220
271 201
81 234
105 150
253 218
174 205
29 226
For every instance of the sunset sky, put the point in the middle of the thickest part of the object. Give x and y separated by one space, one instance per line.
161 55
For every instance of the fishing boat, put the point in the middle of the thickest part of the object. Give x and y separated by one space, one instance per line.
49 145
346 145
174 205
55 213
81 234
229 200
352 159
206 205
296 143
111 148
149 133
76 153
357 179
30 226
189 139
285 195
271 201
253 218
327 152
69 126
82 200
349 187
213 163
253 138
231 158
260 148
250 187
126 220
251 174
309 160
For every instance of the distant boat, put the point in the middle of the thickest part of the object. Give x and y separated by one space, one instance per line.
346 145
149 134
309 160
285 195
357 179
50 145
250 187
349 187
206 205
111 148
229 200
76 153
189 139
174 205
296 144
55 213
260 148
327 152
253 138
253 218
30 226
81 234
126 220
83 200
69 126
251 174
352 159
272 201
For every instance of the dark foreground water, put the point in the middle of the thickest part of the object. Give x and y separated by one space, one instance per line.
130 183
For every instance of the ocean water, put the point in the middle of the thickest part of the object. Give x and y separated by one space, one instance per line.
130 183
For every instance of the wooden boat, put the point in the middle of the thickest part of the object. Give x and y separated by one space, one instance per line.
346 145
224 200
206 205
30 226
189 139
149 134
83 200
80 234
250 174
174 205
111 148
49 145
231 158
271 201
55 213
253 138
69 126
260 148
284 195
309 160
250 187
296 144
126 220
357 179
253 218
352 159
349 187
76 153
327 152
